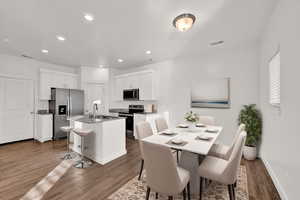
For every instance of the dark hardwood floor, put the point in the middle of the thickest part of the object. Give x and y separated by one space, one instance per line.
24 164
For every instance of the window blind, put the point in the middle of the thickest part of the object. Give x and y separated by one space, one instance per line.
274 70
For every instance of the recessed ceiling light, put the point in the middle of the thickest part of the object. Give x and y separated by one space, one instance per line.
120 60
60 38
45 51
184 22
89 17
148 52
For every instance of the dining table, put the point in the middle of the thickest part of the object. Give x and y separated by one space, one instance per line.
193 144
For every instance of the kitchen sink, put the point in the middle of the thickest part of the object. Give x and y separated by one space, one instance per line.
105 117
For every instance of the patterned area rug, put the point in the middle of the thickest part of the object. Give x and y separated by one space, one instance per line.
136 190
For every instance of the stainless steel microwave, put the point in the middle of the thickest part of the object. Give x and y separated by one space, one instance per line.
131 95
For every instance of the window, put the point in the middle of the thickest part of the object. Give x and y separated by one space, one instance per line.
274 70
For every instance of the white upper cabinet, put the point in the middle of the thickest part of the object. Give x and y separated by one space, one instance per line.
45 82
53 79
119 87
139 80
70 81
146 86
133 82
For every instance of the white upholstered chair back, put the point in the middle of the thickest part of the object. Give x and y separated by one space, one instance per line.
161 169
230 173
143 130
240 129
161 124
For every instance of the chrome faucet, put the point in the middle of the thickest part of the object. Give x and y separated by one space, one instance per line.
95 110
96 105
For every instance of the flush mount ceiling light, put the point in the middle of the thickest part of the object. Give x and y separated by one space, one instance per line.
88 17
120 60
44 51
60 38
148 52
184 22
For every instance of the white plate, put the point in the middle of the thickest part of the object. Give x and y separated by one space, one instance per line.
212 130
183 125
204 137
177 141
168 132
199 125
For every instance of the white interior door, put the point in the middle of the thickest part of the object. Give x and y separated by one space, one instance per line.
16 109
93 92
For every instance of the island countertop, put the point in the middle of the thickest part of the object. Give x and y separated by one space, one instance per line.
98 119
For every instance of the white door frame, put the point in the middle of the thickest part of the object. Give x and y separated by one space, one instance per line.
8 76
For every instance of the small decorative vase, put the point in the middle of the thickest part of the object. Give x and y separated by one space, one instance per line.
192 126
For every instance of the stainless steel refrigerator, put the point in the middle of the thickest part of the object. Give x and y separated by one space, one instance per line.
64 104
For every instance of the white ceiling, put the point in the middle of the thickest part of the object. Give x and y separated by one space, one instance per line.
124 29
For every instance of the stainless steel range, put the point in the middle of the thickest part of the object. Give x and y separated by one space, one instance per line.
129 115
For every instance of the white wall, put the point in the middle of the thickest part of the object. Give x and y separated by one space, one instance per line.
174 78
12 66
280 142
94 75
91 77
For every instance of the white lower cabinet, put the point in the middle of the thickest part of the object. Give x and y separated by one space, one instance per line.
44 128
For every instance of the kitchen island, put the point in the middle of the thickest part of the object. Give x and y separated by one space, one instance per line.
107 141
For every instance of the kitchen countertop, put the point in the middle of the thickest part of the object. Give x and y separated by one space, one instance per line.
43 112
145 113
86 119
124 110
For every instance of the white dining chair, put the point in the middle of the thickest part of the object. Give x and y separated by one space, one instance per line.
224 151
207 120
143 130
223 171
163 176
161 124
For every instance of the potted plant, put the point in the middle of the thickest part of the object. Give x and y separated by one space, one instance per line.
251 117
192 118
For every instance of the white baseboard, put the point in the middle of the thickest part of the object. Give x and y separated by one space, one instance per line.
276 182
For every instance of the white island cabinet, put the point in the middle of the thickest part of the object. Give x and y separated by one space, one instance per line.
107 141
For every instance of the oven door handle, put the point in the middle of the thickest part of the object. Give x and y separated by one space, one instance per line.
127 115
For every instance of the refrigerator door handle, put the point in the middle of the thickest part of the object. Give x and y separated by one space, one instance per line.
70 106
